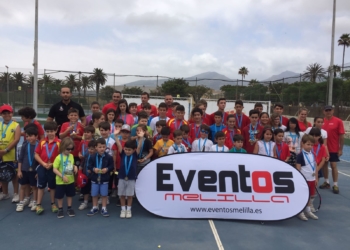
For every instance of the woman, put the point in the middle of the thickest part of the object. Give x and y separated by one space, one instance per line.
302 121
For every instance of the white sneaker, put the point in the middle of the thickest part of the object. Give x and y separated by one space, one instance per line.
4 196
122 214
83 206
15 198
302 216
33 206
311 215
26 201
128 214
20 207
30 203
312 208
114 193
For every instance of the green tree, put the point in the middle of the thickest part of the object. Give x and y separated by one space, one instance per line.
71 82
197 91
176 86
243 71
346 74
44 84
99 78
18 78
3 81
132 90
344 41
86 84
253 82
106 93
313 72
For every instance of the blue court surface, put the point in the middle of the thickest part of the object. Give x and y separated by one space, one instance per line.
26 230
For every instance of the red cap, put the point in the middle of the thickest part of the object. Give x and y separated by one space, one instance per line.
6 107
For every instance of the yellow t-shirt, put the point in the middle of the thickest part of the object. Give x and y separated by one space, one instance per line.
68 171
164 145
7 135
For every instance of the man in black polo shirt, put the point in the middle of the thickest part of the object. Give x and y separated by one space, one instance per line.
59 111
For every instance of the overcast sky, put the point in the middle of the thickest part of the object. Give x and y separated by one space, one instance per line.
175 38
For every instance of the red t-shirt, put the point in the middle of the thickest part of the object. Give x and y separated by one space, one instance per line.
206 119
285 121
229 136
169 113
302 126
282 151
242 121
117 158
334 128
194 131
187 143
110 105
79 130
319 153
39 126
249 147
41 149
175 124
212 120
83 147
154 111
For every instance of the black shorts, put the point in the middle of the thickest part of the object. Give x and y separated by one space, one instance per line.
77 161
46 177
333 157
87 188
65 190
28 177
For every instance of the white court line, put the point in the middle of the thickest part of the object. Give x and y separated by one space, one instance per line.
216 235
340 172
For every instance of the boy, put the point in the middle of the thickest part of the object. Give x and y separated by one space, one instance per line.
133 111
238 144
142 120
197 116
230 131
252 132
220 140
159 125
28 117
175 123
100 165
10 134
118 124
202 104
89 132
203 144
161 147
105 134
177 146
282 149
218 125
186 139
45 154
221 103
26 170
171 112
148 109
75 130
162 109
278 109
95 107
241 119
86 190
127 173
259 107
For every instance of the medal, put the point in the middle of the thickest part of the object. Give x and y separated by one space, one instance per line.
252 134
49 153
99 165
127 166
30 169
30 156
313 174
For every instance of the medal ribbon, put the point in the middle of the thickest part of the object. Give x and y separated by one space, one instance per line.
278 152
3 134
199 144
318 149
137 144
49 153
127 165
252 132
217 148
308 160
99 164
239 120
30 159
267 151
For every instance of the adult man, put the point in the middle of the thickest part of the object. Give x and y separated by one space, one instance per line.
335 142
278 109
59 111
168 99
116 97
144 100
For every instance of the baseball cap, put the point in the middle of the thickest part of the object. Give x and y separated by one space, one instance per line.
327 107
125 127
6 107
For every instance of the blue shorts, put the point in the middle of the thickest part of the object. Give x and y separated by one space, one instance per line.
65 190
99 189
333 157
28 177
46 177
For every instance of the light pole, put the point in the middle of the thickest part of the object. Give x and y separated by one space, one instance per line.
8 86
330 93
35 64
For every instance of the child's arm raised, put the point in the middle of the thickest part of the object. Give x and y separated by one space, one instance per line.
140 139
117 142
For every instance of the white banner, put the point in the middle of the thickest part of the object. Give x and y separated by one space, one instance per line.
230 106
222 186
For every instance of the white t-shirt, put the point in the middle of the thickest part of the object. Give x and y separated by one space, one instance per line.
268 150
293 141
152 125
323 132
308 170
197 145
175 149
216 148
109 144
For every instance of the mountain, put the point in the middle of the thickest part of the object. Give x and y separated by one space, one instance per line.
292 77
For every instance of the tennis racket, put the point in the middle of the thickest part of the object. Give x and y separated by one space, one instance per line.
318 201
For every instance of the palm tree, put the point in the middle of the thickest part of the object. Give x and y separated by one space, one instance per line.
18 78
56 85
243 71
253 82
86 83
44 83
344 41
336 69
71 82
3 80
313 72
99 78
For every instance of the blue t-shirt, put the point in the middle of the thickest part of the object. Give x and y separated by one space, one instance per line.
132 171
24 158
214 129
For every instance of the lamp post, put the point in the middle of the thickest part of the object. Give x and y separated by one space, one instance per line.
8 85
330 91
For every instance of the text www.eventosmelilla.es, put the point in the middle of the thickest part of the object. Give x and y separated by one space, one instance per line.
243 210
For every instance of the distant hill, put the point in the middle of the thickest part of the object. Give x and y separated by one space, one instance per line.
286 74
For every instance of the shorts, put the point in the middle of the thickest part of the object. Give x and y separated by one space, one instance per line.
87 188
333 157
28 177
65 190
126 188
99 189
312 187
77 161
46 177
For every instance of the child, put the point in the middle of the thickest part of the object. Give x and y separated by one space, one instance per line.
202 104
318 123
162 146
65 169
95 107
96 119
203 144
45 154
133 112
110 115
292 137
306 164
105 134
259 107
171 112
148 109
282 149
177 146
124 113
252 132
278 109
89 132
230 131
142 120
162 109
86 190
178 121
197 117
218 125
275 122
266 146
26 169
146 150
238 144
186 139
10 134
28 117
221 103
220 140
264 119
119 123
241 119
159 125
128 173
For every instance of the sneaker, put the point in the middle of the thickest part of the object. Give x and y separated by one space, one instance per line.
33 208
114 193
336 189
92 212
4 196
302 216
311 215
70 212
15 198
118 203
30 203
83 206
39 209
312 208
60 214
123 214
26 201
128 214
20 207
54 208
104 212
325 185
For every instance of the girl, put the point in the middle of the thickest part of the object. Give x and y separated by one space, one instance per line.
96 119
266 146
146 151
302 121
95 107
275 122
230 131
64 169
292 137
282 149
264 119
318 123
111 118
124 114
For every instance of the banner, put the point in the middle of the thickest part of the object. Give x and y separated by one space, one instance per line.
222 186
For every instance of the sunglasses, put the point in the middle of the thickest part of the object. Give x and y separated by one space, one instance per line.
204 131
70 149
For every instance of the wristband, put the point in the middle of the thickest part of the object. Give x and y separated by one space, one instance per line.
7 150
